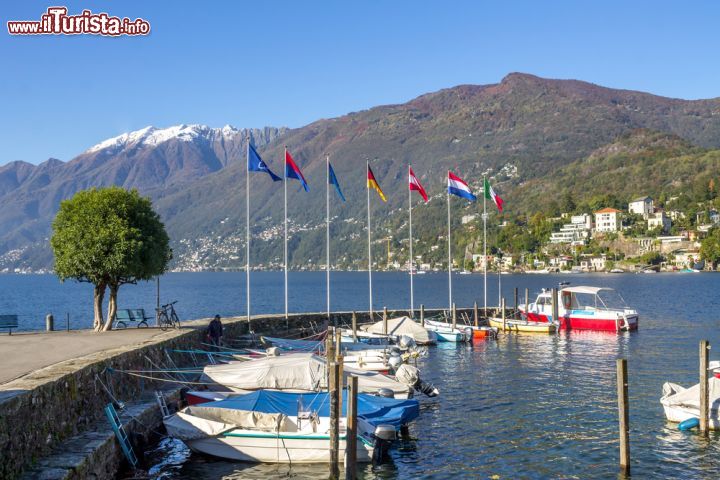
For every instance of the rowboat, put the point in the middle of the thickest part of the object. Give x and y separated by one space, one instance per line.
481 331
522 326
583 308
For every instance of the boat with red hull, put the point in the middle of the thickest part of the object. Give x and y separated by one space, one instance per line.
583 308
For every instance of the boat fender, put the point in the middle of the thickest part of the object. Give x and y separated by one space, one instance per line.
689 424
468 334
385 393
622 323
272 352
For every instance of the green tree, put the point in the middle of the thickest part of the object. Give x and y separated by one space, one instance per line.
710 247
108 237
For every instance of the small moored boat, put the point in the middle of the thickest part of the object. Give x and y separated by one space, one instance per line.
522 326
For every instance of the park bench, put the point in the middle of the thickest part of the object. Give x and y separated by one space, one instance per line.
126 317
9 322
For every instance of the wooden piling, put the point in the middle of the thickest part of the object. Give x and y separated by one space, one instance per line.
515 295
475 314
623 415
354 326
385 321
351 430
502 312
527 298
335 393
555 310
422 315
704 400
454 316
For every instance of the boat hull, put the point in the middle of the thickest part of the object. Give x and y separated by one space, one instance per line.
258 447
580 322
521 326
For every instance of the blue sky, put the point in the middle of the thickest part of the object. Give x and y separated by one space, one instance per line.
252 64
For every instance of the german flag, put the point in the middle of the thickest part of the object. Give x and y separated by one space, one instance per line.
372 183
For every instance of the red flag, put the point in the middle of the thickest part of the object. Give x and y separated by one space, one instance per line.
415 185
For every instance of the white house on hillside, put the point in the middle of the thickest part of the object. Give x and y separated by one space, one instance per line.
607 220
642 206
659 219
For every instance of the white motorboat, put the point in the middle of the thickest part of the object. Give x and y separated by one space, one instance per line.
680 403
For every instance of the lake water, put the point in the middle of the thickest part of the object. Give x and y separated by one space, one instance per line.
518 407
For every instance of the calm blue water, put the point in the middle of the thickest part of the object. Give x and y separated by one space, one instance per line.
521 407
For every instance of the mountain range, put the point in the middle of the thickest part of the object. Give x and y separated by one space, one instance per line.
532 136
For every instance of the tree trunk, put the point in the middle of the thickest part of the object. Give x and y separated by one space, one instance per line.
98 296
112 307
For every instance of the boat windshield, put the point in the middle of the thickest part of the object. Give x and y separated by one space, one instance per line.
605 299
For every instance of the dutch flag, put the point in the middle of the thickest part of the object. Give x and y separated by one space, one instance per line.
456 186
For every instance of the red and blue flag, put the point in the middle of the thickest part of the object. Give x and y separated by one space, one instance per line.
293 171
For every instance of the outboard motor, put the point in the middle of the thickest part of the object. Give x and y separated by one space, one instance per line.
385 393
406 342
384 436
395 360
410 376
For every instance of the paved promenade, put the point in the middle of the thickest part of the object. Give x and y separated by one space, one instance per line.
22 353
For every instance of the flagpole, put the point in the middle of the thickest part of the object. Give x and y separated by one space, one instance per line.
369 245
449 251
484 248
412 299
286 235
247 232
327 231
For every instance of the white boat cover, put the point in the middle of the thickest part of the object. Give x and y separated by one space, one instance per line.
402 326
580 289
201 422
676 396
293 371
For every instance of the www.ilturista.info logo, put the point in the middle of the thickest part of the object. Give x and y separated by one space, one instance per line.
57 22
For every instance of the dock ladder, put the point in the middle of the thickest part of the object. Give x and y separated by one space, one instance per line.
162 403
120 434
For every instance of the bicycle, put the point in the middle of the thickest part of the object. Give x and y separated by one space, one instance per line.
166 317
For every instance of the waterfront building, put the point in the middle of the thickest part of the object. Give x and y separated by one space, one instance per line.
659 219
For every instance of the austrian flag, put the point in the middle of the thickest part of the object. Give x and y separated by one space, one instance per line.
491 195
415 184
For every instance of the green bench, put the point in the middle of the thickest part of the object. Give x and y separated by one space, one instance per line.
9 322
126 317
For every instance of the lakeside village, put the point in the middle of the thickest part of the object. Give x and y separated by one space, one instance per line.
641 237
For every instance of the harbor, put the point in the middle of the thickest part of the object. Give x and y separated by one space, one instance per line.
536 405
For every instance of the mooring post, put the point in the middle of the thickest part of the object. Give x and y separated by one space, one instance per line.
334 419
704 401
339 361
351 430
385 324
67 321
555 310
454 316
623 415
515 294
329 347
422 315
502 313
475 314
354 326
527 297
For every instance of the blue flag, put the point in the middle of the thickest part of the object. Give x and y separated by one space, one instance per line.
332 180
256 164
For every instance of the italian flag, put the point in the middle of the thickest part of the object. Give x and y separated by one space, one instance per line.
491 195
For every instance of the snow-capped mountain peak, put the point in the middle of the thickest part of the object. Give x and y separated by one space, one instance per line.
152 136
